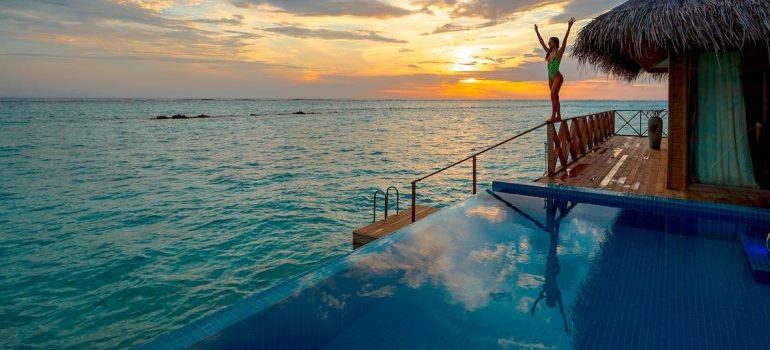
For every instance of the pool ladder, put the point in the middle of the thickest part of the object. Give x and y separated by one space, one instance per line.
385 195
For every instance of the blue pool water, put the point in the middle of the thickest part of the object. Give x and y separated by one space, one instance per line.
558 270
116 228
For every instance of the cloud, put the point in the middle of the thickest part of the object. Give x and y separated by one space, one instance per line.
149 4
582 9
301 32
493 60
142 76
451 27
359 8
156 58
489 9
234 20
496 12
136 27
88 12
242 35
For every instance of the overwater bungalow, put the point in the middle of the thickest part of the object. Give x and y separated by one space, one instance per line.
715 57
623 243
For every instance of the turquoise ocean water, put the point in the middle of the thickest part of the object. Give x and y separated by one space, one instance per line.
115 227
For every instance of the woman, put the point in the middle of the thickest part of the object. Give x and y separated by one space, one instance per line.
553 54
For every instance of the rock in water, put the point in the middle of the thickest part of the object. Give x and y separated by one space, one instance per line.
179 116
299 112
161 117
203 116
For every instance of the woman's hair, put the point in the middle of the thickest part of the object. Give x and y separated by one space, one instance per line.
555 41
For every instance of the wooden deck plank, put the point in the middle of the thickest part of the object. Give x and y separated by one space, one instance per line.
395 222
635 153
615 152
591 169
642 168
646 167
628 176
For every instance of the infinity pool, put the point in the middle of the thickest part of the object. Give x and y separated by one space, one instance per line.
552 269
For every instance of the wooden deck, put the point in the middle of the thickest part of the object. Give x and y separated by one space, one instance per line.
383 228
627 164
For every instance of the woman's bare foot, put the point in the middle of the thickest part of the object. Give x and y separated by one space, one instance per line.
553 119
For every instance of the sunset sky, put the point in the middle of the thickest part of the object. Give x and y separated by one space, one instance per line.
295 49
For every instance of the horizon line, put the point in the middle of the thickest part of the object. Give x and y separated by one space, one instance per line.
11 98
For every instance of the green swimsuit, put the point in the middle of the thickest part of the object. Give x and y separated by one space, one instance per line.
553 68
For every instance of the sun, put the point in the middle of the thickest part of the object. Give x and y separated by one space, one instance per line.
464 59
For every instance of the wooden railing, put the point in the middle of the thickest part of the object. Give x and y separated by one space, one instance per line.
569 139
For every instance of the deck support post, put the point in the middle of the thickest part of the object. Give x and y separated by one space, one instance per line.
474 174
414 201
680 78
550 156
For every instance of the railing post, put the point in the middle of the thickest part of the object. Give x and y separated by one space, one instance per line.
414 201
641 133
386 207
474 174
614 132
550 156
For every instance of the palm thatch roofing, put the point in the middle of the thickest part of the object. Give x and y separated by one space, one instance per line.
618 40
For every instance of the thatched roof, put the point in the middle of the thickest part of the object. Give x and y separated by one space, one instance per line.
616 41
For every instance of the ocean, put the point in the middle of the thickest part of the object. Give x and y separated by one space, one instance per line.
116 227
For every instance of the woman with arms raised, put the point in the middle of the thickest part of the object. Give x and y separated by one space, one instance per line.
553 55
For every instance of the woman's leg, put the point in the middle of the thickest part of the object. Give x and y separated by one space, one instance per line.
555 88
553 105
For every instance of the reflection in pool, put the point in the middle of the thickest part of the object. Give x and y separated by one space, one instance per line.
497 271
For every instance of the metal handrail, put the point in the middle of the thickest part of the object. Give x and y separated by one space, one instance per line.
387 195
471 157
475 155
374 206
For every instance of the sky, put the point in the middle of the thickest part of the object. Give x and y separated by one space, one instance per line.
369 49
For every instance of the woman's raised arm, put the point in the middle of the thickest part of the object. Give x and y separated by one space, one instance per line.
566 36
542 43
